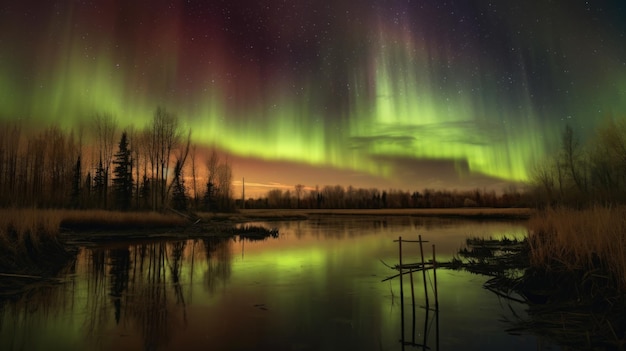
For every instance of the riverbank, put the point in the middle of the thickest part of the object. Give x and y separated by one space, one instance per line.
570 271
478 213
84 226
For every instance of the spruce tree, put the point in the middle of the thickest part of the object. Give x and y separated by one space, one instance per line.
123 176
99 181
75 196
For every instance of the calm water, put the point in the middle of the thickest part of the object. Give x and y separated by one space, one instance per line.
316 287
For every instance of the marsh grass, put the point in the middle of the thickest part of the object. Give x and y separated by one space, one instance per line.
26 233
591 241
30 240
29 244
572 276
17 224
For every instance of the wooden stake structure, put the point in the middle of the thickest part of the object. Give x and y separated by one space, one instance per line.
435 279
401 290
410 268
423 270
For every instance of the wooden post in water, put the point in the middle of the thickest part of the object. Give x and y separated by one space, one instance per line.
423 270
243 193
412 304
435 279
401 289
436 301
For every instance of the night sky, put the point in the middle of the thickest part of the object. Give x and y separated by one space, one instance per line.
392 94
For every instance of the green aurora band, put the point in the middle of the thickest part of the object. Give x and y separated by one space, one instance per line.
397 100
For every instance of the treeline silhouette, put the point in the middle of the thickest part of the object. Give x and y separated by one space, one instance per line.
99 166
577 175
582 175
339 197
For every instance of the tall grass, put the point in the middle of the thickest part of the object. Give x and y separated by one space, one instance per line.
30 242
16 224
591 241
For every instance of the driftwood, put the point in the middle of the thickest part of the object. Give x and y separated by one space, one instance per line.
13 275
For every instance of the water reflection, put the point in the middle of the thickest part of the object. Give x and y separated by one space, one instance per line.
316 287
219 261
25 301
150 294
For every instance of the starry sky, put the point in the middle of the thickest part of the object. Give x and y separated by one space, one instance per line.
388 94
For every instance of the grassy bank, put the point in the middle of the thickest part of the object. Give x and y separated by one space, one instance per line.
29 245
570 272
591 241
20 223
30 241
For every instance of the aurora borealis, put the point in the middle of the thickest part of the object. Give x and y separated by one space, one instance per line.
407 94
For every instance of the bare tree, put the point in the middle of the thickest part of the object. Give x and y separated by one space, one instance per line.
299 188
10 139
224 181
105 127
164 138
211 185
544 179
194 177
181 159
571 158
274 198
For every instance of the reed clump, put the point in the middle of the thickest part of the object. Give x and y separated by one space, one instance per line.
30 238
20 223
570 271
16 224
29 241
591 241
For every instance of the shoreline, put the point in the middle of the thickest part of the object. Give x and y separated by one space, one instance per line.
478 213
222 224
80 227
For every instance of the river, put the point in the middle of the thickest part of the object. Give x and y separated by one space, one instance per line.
318 286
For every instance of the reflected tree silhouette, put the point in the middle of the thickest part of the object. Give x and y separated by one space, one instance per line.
219 261
119 276
148 308
140 288
23 302
96 292
176 264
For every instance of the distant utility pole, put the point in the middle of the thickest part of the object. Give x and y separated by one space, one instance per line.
243 193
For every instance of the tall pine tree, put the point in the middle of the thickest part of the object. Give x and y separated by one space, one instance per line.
76 191
123 175
99 181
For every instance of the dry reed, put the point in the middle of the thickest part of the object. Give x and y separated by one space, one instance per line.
17 224
591 241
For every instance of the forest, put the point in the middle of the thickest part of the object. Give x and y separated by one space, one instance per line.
99 165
